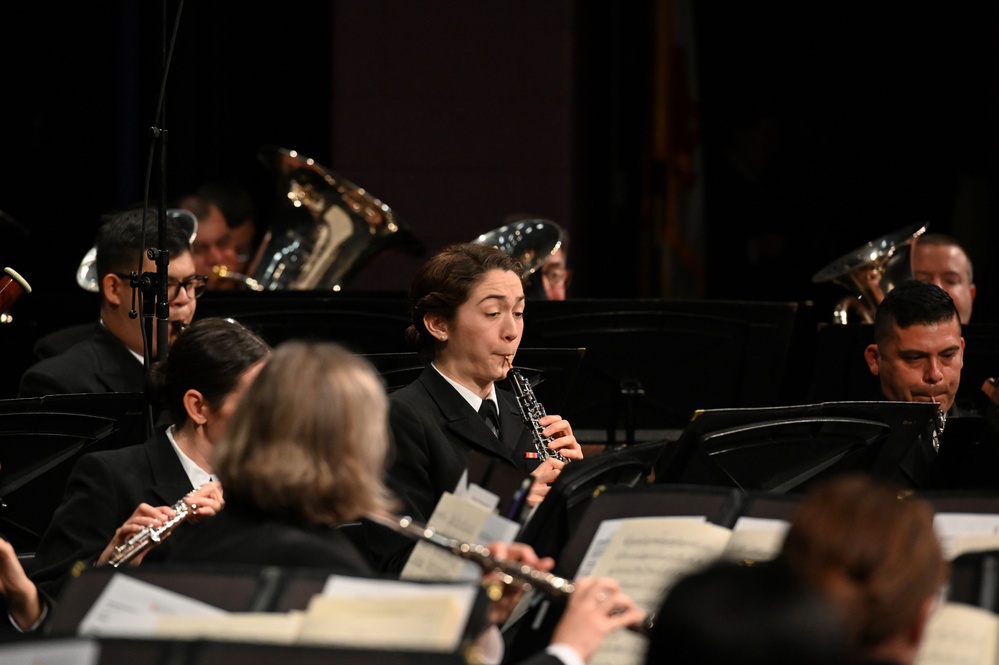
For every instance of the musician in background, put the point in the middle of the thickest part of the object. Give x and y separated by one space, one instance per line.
940 259
240 218
112 495
213 246
871 549
467 307
111 359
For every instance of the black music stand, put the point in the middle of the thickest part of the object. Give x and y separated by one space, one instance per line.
556 518
37 453
780 449
373 322
647 369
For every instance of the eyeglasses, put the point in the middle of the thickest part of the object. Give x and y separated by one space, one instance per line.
193 285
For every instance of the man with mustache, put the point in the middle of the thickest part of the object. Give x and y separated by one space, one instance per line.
111 359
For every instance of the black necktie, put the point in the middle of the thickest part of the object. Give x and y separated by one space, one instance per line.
488 412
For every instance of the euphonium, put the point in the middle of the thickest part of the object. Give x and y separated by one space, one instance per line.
148 537
532 411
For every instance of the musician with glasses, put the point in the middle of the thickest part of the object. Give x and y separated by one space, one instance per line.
467 307
111 359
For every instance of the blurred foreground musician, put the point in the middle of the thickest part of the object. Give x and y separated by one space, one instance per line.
111 359
467 307
297 464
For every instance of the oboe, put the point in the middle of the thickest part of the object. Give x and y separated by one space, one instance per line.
148 536
531 411
510 572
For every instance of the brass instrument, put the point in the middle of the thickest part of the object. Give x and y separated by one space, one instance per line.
510 572
531 411
530 241
323 230
150 536
870 272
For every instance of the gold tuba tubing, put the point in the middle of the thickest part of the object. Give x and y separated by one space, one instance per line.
324 229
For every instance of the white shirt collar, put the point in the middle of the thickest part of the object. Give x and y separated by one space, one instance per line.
473 400
195 473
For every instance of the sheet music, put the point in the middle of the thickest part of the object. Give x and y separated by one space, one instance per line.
455 517
966 532
128 607
606 531
755 539
268 627
646 556
959 635
51 652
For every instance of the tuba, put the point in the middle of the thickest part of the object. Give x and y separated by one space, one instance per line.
324 229
530 241
869 272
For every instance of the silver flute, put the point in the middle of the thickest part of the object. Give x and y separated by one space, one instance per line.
531 411
510 572
149 536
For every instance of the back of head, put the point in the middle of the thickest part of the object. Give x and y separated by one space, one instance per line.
309 439
871 548
444 282
751 615
125 236
210 356
912 303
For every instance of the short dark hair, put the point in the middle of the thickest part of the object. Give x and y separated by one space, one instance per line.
732 613
444 283
234 202
210 357
120 240
912 303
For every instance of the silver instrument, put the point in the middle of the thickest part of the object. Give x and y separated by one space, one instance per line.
510 572
149 537
531 411
324 229
530 241
870 272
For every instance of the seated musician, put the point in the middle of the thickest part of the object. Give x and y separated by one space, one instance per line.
110 358
112 495
296 463
467 305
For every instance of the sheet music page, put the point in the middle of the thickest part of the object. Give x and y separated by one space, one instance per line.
454 517
51 652
386 614
128 607
966 532
959 634
606 531
268 627
647 556
755 539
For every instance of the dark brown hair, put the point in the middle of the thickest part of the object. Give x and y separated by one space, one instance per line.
444 283
871 548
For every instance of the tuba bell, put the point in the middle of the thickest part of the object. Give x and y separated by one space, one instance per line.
324 229
530 241
869 272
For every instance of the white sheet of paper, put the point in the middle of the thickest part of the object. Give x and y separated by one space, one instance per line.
128 607
455 517
51 652
966 532
755 539
603 536
959 635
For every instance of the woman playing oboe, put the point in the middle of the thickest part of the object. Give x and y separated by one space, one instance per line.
467 306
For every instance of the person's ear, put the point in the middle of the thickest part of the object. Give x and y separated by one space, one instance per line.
873 357
114 289
196 407
918 627
973 291
436 325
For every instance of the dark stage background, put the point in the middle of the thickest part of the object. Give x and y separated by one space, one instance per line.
806 132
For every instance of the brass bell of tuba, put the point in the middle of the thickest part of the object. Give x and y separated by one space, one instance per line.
530 241
324 229
870 272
